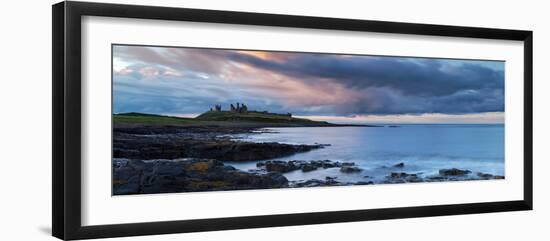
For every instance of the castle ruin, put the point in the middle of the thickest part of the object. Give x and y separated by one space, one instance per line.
242 108
238 108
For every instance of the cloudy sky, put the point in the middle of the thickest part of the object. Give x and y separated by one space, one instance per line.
333 87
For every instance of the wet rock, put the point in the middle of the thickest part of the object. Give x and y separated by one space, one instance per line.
149 143
393 181
316 183
130 185
400 175
484 175
453 172
276 179
305 166
329 165
330 178
437 178
399 165
364 183
309 183
186 175
269 180
350 169
487 176
309 168
414 178
280 166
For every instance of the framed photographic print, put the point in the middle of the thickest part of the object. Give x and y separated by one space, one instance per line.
170 120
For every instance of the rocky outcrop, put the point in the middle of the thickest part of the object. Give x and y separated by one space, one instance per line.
443 175
308 168
453 172
486 176
186 175
305 166
316 183
329 181
350 169
399 165
403 177
146 144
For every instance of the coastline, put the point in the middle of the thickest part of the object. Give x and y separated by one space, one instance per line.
190 158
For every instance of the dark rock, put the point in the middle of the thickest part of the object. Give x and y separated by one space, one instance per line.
484 175
276 179
328 164
438 178
316 183
269 180
187 175
399 165
402 177
393 181
330 178
350 169
364 183
414 178
399 175
280 166
487 176
130 185
198 142
453 172
308 168
312 183
305 166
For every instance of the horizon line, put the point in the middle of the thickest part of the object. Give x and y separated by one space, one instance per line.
387 119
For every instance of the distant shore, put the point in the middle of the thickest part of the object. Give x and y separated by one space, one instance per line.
220 119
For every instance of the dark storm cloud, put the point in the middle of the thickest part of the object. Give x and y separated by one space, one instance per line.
387 101
190 80
411 76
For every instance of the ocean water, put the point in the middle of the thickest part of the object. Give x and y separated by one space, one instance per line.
424 149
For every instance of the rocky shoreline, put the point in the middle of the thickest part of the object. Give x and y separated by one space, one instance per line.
186 175
196 142
191 159
196 175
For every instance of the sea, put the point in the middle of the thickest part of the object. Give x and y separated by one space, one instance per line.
424 149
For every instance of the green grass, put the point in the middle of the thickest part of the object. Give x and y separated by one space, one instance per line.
139 118
223 118
256 117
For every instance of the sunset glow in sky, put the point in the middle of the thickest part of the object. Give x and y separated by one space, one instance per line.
332 87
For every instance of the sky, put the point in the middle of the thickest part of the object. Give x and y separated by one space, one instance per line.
333 87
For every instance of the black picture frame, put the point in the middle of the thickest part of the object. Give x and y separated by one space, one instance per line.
66 128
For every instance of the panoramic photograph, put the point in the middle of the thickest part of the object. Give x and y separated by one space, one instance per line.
203 119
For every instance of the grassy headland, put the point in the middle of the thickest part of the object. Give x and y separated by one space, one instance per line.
220 118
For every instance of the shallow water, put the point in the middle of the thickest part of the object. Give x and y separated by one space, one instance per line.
424 149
